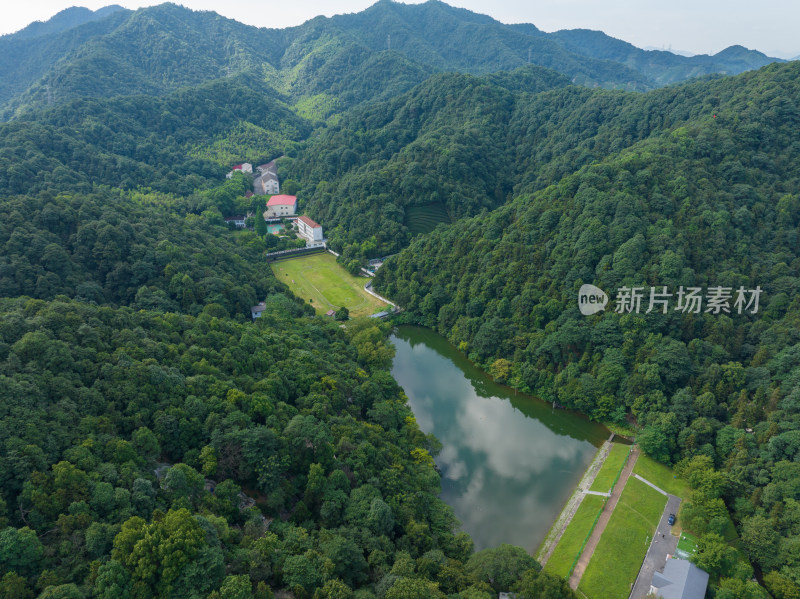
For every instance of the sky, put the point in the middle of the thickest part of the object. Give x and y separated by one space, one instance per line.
693 26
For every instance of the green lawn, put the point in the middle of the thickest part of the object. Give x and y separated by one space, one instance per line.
572 540
318 278
661 476
610 468
687 545
618 557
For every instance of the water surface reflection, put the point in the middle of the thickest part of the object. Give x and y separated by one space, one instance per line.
508 462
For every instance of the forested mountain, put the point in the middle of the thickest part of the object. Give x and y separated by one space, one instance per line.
711 201
660 66
442 144
328 64
454 39
25 59
173 143
63 20
469 143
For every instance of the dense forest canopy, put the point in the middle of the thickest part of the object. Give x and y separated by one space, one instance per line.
330 63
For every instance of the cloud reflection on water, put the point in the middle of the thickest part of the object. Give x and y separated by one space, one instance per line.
505 474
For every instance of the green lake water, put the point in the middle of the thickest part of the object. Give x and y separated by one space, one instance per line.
508 461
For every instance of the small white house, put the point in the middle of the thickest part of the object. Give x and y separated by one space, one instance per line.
245 167
238 220
310 231
256 311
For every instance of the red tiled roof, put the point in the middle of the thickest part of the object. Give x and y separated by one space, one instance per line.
282 200
248 195
238 167
309 222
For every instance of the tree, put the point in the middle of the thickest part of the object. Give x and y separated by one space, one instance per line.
236 587
760 541
260 226
714 555
335 589
343 313
113 581
541 585
20 550
654 443
183 481
501 567
414 588
306 571
62 591
13 586
170 557
146 443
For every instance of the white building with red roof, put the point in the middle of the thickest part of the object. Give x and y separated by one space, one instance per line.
281 205
310 231
245 167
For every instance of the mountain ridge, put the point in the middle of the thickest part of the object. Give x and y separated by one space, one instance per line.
160 48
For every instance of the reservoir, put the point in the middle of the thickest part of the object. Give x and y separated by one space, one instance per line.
509 462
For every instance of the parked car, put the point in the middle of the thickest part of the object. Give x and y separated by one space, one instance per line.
671 519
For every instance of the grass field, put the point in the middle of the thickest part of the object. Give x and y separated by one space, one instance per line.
610 468
661 476
318 278
572 540
687 546
618 557
423 219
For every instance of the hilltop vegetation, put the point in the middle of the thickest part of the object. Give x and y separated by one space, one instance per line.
471 143
377 53
170 144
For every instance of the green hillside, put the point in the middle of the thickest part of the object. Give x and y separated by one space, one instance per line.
165 143
713 201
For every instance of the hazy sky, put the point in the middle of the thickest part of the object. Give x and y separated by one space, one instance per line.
697 26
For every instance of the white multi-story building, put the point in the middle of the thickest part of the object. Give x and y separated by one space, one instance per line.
310 231
266 184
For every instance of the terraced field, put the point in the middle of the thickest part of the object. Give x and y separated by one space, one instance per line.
423 219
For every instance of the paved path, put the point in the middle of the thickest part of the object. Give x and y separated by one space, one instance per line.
591 544
574 502
651 485
596 493
663 544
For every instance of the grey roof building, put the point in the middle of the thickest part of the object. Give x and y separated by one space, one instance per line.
681 580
